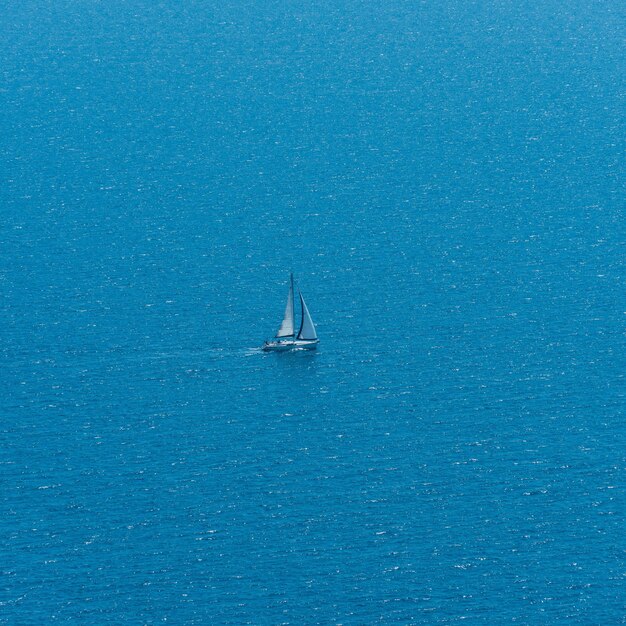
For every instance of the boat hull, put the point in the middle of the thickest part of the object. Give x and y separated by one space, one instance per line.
286 346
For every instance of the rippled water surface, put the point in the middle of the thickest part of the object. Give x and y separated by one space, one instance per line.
446 179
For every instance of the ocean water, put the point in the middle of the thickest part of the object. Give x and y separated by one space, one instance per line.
445 179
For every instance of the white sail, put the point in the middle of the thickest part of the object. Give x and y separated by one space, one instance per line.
287 328
307 328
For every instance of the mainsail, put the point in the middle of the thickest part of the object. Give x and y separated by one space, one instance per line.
287 328
307 328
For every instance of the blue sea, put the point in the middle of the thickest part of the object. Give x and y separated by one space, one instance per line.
445 179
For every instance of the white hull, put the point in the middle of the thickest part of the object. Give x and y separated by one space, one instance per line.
291 344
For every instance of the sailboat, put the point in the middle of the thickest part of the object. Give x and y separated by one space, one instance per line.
286 337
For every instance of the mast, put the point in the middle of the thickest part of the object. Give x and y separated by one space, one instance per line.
293 305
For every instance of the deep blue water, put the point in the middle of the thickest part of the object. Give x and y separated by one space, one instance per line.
446 179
